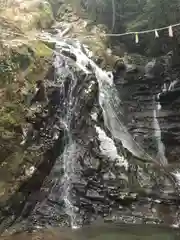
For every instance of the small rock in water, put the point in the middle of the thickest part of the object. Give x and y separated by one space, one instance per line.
29 172
94 116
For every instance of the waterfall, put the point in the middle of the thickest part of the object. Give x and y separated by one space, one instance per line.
109 102
157 133
70 165
70 175
82 163
157 130
111 106
100 168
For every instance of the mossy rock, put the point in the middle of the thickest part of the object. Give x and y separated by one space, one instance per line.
21 66
50 45
22 63
41 49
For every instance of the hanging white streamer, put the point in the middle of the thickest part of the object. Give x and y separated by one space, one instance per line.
156 34
136 38
170 31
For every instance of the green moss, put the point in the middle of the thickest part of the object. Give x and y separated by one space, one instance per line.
19 68
41 50
50 45
7 70
11 113
22 60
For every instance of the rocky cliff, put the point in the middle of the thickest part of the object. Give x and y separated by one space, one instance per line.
91 141
24 60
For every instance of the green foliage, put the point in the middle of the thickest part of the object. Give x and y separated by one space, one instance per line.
136 15
142 13
45 18
157 13
7 71
11 114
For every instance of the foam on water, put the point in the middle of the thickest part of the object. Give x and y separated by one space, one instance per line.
109 149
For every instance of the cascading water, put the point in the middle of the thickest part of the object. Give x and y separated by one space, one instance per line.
110 103
69 176
113 120
157 133
72 149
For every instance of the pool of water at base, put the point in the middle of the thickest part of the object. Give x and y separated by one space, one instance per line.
102 232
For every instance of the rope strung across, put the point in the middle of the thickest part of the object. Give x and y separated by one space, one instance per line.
170 30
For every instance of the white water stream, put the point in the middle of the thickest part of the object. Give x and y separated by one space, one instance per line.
157 133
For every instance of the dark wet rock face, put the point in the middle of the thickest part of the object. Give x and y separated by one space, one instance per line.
150 100
101 147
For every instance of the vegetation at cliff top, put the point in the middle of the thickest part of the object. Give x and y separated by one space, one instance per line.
135 15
